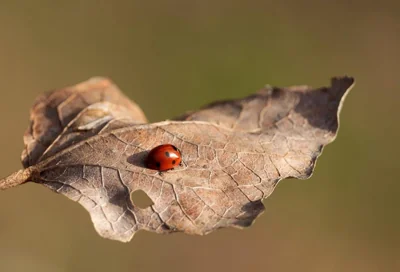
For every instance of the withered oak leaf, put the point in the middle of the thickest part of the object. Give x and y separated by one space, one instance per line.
89 143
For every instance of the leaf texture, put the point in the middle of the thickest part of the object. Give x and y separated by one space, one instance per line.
89 142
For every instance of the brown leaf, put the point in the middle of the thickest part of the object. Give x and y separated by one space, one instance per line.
89 143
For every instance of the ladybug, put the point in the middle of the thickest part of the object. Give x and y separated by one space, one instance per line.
163 157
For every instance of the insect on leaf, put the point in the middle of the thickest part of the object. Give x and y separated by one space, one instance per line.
89 142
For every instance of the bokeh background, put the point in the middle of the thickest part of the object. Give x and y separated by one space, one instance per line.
173 56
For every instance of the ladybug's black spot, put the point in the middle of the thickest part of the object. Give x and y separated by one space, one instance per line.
174 147
167 154
158 164
173 162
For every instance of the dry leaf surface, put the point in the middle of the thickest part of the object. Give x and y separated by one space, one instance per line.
89 142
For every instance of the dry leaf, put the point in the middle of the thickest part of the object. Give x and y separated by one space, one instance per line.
88 142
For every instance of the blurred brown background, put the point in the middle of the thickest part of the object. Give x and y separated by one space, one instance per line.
172 56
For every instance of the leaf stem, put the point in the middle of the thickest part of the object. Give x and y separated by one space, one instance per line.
16 179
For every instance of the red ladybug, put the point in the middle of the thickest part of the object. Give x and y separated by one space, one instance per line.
163 157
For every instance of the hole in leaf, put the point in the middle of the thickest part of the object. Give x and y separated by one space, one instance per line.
141 199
